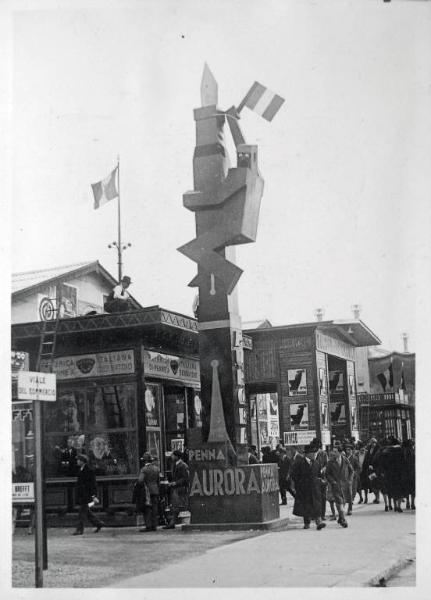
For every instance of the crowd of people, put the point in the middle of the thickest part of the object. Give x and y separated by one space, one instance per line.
314 476
336 475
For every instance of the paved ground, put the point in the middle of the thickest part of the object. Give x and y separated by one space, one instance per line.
404 578
374 542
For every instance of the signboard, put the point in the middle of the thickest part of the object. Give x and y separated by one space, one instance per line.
338 413
177 444
326 438
299 415
336 381
297 379
120 362
298 438
166 366
36 386
23 492
20 361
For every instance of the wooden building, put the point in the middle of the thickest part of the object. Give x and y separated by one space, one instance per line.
126 383
388 407
300 381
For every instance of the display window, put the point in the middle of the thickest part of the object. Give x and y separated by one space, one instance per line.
98 420
175 415
22 443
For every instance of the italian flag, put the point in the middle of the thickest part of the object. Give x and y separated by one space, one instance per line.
262 101
105 190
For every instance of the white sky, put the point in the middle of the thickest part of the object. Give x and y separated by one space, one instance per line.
345 216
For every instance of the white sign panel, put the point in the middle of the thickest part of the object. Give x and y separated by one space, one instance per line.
166 366
298 438
23 492
36 386
120 362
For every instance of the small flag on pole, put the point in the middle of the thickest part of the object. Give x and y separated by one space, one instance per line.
105 190
262 101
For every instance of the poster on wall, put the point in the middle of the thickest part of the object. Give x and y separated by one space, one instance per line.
322 382
324 411
262 406
151 400
69 301
273 405
263 431
338 413
299 416
297 380
336 381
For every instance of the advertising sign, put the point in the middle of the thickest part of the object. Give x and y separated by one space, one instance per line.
99 364
299 416
36 386
338 413
167 366
336 381
298 438
297 379
23 493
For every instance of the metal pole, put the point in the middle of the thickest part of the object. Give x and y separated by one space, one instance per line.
120 262
38 496
44 530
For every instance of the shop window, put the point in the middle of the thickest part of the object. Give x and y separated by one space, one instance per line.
113 453
67 413
110 407
99 421
174 415
22 443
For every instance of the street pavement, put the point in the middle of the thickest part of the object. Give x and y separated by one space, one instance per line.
374 547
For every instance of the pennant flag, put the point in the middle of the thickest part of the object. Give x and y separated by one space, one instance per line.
391 375
262 101
403 381
383 381
105 190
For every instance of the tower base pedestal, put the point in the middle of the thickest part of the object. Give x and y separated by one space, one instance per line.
240 497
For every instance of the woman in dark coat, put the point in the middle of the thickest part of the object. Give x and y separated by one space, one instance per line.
393 468
306 476
410 475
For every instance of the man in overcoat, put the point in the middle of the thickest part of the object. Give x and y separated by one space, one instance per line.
283 473
339 474
306 487
150 477
354 462
179 488
86 493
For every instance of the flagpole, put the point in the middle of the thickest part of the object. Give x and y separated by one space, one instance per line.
120 262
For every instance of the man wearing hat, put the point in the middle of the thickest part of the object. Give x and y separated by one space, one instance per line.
306 488
119 299
179 488
85 494
150 477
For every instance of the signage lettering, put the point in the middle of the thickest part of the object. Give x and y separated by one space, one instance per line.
167 366
92 365
23 492
36 386
206 455
234 481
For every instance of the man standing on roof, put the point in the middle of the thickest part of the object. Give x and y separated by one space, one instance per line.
119 299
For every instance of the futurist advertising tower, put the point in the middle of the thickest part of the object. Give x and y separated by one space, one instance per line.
226 202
